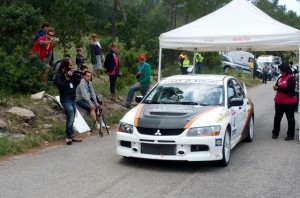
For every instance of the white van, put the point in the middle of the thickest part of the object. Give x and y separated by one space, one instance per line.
241 57
270 60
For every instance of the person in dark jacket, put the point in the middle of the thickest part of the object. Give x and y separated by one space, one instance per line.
285 101
265 71
67 93
79 58
111 65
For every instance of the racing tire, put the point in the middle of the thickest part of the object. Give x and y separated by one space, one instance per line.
250 130
226 149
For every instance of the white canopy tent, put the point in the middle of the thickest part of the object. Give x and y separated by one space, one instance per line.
238 25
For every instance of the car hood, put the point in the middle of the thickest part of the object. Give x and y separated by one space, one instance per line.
171 116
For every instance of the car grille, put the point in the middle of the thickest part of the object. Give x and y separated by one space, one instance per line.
158 149
162 132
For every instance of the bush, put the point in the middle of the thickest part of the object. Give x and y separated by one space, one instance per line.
21 75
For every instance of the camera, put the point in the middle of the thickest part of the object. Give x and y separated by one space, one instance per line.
74 74
55 39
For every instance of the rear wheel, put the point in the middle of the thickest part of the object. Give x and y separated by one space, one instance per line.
226 69
250 130
226 149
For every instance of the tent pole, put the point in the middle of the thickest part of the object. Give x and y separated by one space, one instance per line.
298 90
194 61
159 64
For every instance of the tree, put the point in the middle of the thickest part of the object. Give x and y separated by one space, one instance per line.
71 22
17 25
19 73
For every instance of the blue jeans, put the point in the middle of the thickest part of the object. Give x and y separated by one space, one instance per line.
134 88
70 110
184 70
199 68
112 83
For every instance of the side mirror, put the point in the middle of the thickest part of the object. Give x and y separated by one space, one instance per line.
234 102
138 99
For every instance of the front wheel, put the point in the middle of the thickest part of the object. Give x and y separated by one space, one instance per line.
226 149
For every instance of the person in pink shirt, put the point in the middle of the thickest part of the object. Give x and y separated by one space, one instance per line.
285 101
111 65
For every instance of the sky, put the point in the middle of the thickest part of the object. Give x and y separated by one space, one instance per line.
291 5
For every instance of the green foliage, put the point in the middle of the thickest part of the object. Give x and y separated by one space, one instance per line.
114 117
17 23
21 75
11 146
78 22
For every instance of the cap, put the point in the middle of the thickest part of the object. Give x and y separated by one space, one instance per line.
142 57
94 35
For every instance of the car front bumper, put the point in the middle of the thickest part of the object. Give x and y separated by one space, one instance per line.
180 147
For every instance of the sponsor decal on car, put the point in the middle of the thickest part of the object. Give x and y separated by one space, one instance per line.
218 142
204 81
233 132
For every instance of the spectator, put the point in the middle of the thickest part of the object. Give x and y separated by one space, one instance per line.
43 48
143 77
199 60
86 97
255 66
42 32
181 58
111 65
274 73
285 101
79 58
67 93
265 71
297 91
95 52
251 65
57 63
185 62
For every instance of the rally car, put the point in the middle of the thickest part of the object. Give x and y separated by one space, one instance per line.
188 117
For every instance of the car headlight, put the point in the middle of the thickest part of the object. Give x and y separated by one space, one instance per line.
204 131
126 128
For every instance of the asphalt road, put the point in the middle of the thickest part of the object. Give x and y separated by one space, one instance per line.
263 168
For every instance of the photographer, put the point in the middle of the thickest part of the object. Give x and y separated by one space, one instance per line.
67 91
43 49
86 97
78 74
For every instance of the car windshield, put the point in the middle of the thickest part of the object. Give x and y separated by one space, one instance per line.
186 94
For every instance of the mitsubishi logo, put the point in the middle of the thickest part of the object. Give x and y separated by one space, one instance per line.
157 132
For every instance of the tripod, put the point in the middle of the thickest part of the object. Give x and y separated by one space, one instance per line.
101 120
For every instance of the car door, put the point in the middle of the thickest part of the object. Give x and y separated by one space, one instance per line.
239 113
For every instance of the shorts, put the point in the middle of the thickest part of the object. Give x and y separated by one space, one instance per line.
98 65
84 104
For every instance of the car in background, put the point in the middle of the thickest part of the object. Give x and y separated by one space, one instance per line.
270 60
229 63
241 57
188 118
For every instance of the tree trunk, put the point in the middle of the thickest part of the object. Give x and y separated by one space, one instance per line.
113 20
